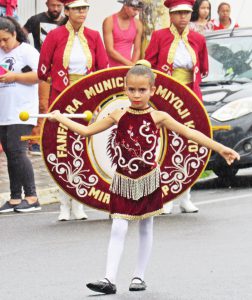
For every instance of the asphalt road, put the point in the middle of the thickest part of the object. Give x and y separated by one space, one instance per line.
204 256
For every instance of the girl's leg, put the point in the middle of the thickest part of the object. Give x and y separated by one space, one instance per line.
116 244
65 206
145 246
78 212
185 203
68 205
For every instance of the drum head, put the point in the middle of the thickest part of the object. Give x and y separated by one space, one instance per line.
81 166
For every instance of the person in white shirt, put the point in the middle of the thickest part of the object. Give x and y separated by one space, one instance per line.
18 92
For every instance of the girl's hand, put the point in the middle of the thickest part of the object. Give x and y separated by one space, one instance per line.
8 77
54 115
229 155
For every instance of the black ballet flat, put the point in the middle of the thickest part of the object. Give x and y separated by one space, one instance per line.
102 287
137 286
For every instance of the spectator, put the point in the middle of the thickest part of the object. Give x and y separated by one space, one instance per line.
39 25
201 16
181 53
224 21
8 8
18 92
122 32
85 53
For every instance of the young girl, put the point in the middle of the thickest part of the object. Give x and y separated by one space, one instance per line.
135 188
201 17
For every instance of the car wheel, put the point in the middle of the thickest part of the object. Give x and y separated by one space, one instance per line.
226 172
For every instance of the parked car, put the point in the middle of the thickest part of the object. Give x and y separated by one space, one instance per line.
227 95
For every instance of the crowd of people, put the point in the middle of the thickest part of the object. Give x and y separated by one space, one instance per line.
67 46
64 51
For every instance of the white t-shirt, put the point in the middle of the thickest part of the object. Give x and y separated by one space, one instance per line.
16 97
78 60
182 57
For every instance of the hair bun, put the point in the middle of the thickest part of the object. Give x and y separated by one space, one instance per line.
143 62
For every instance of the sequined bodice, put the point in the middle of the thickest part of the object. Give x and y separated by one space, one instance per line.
134 143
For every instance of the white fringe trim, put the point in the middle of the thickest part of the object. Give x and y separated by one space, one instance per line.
135 188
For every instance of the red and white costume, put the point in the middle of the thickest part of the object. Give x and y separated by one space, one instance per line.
218 26
55 55
11 6
135 188
162 50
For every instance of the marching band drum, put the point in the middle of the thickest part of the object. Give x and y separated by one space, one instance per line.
81 165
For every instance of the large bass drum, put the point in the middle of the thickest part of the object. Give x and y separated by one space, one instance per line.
81 166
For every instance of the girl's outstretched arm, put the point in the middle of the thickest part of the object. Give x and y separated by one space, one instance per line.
83 130
165 120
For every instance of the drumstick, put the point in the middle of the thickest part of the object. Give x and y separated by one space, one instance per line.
87 115
29 137
221 127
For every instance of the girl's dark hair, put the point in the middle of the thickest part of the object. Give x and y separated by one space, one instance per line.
10 25
142 70
222 4
196 7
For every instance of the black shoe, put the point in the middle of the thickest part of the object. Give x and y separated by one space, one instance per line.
7 207
102 287
137 286
24 206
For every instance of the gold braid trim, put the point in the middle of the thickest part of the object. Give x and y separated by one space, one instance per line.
135 189
175 43
69 46
136 218
85 47
139 111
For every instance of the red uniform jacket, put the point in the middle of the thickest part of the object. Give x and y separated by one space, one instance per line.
159 47
10 5
218 26
53 54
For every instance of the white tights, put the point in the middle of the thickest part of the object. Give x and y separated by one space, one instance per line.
116 245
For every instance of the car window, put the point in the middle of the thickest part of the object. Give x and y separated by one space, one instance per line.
230 59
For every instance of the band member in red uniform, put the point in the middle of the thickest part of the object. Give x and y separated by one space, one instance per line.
68 53
136 192
181 53
71 51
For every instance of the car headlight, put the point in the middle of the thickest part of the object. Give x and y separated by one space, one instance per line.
215 97
233 110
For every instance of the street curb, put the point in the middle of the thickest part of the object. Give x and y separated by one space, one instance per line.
45 196
51 195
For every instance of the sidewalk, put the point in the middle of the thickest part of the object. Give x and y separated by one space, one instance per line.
47 189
